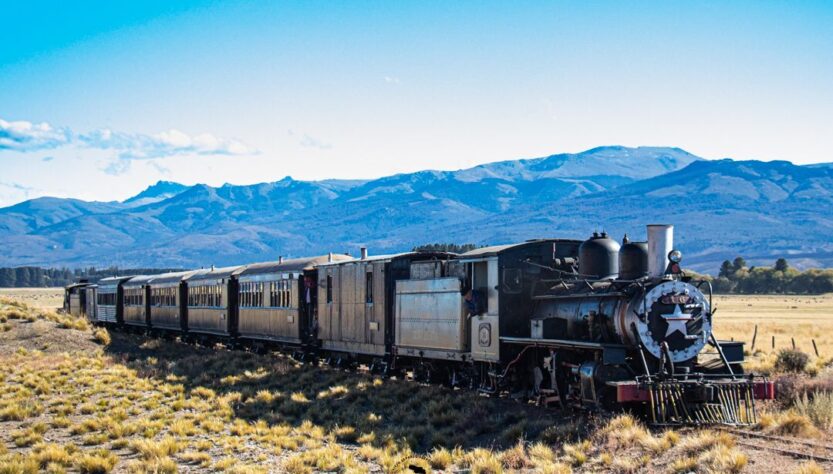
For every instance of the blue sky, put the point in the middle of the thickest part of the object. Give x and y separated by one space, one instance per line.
100 99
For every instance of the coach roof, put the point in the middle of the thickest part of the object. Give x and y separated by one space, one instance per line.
138 280
215 274
292 265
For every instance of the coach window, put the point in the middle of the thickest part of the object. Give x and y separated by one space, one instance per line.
368 287
329 288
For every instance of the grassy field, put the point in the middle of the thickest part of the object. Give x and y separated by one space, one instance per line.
786 318
78 399
51 298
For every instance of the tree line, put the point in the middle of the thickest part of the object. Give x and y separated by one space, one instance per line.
36 277
737 277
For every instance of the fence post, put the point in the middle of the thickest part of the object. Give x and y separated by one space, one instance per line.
815 348
773 342
754 336
793 339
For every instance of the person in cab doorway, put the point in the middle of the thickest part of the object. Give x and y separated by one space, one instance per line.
473 300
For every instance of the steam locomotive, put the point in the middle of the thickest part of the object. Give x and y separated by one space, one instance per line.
566 323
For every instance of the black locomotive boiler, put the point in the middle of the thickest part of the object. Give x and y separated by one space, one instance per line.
570 323
629 328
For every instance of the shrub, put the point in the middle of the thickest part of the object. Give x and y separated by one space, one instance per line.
819 409
791 360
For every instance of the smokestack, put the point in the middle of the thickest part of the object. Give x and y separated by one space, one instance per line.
660 243
364 253
280 259
330 257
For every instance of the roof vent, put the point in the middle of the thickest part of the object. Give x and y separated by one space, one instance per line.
280 259
364 253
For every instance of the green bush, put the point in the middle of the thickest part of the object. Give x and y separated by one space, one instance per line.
791 360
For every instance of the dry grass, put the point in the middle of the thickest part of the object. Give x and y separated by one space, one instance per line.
101 336
810 467
46 298
141 405
787 317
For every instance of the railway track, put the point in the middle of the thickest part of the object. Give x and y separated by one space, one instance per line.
795 448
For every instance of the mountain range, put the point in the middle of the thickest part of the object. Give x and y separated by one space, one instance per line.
721 209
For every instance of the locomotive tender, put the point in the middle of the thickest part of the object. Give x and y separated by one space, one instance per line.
560 322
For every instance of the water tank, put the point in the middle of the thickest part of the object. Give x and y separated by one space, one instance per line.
598 257
633 260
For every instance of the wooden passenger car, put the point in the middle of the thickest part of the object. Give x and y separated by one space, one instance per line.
212 302
356 301
75 298
136 301
277 300
504 278
167 294
110 300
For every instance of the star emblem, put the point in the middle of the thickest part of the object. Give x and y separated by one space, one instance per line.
676 321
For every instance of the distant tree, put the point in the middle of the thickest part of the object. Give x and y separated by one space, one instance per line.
781 265
726 269
7 278
780 278
723 285
23 277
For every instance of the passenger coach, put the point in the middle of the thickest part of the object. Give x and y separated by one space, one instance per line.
167 292
110 300
277 300
137 301
212 302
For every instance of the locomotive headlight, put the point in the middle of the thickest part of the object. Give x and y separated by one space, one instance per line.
675 256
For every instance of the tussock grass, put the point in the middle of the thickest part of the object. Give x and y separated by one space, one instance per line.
150 450
51 453
98 462
101 336
18 464
722 459
810 467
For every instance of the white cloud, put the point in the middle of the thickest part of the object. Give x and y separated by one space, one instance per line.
136 146
312 142
26 136
391 80
309 141
117 167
